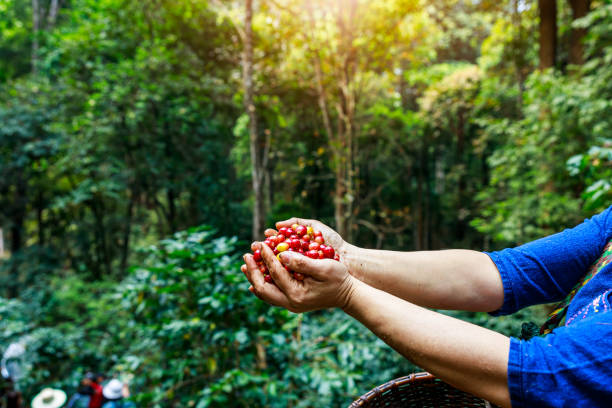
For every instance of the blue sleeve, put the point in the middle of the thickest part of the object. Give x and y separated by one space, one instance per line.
571 367
545 270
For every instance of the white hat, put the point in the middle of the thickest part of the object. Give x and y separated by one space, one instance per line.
49 398
113 390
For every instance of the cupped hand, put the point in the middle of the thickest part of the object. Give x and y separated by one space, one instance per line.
330 236
327 283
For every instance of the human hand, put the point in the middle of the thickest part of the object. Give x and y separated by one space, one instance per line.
326 283
330 236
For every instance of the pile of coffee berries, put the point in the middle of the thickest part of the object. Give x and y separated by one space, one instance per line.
300 239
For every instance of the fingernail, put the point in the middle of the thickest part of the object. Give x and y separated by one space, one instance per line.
284 256
244 257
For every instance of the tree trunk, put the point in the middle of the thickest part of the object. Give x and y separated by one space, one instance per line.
40 208
53 9
548 33
171 197
257 145
16 242
346 135
519 59
580 8
103 266
419 204
35 29
427 210
460 227
259 149
125 249
1 244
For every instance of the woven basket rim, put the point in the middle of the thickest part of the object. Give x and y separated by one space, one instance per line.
376 391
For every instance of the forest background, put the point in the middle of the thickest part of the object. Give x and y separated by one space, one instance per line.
143 144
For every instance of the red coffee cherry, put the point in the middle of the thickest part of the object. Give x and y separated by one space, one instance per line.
298 238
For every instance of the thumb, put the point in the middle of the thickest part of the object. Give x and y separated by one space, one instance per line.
317 268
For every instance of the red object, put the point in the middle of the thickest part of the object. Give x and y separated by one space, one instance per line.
96 398
300 230
312 254
328 251
295 244
299 240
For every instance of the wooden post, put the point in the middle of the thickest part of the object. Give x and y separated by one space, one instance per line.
35 28
258 145
548 33
580 8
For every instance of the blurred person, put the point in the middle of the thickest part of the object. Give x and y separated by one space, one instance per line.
82 398
12 397
115 393
49 398
3 390
96 381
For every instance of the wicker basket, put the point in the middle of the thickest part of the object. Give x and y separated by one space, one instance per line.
419 390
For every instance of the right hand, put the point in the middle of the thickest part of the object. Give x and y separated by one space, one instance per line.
330 236
326 283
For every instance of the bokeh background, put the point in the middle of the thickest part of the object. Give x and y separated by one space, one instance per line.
143 144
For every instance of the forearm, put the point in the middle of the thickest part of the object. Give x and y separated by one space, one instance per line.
466 356
449 279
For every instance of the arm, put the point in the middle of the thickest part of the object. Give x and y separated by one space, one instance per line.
469 357
464 355
541 271
451 279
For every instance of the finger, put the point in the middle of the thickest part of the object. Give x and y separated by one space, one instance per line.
317 225
252 271
243 268
317 268
265 291
274 297
277 270
270 232
293 220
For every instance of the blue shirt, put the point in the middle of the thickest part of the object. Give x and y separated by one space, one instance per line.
572 366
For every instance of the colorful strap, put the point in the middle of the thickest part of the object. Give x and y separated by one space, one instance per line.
556 316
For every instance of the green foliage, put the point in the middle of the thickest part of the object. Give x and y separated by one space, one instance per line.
132 128
531 193
184 325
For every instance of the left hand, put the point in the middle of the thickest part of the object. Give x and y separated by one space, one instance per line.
327 283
